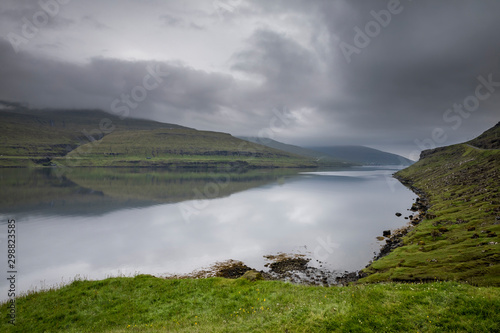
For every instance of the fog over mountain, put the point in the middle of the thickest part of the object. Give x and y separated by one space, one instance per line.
399 76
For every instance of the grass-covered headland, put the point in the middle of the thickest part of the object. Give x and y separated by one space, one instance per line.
93 138
149 304
457 239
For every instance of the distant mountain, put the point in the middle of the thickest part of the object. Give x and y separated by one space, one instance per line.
336 155
363 155
318 156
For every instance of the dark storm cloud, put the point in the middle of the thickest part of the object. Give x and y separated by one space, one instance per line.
391 87
288 70
428 57
46 83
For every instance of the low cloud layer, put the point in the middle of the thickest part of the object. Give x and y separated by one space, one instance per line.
396 75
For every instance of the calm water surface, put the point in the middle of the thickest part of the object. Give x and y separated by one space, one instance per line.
99 223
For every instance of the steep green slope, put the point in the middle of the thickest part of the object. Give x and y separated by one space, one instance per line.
363 155
458 238
179 148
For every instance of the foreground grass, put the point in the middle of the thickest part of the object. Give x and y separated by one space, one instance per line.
149 304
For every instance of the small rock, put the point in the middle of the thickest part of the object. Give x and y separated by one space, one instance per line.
475 236
398 214
252 275
386 233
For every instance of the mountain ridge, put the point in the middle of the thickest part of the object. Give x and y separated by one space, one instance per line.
318 156
52 137
363 155
337 155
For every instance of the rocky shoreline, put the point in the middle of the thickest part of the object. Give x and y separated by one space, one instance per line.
295 268
419 212
394 239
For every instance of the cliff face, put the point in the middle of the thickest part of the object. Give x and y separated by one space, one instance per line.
428 152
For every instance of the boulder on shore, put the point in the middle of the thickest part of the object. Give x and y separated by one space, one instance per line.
252 275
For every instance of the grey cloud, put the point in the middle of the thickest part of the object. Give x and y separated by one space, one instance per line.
287 70
394 91
47 83
171 20
426 59
281 61
18 12
93 22
179 22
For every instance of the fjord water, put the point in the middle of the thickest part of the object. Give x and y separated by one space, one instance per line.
94 223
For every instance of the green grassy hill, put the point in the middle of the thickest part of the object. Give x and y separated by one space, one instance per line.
458 238
179 148
96 138
30 137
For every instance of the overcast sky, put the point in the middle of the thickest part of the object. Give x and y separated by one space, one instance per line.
384 74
